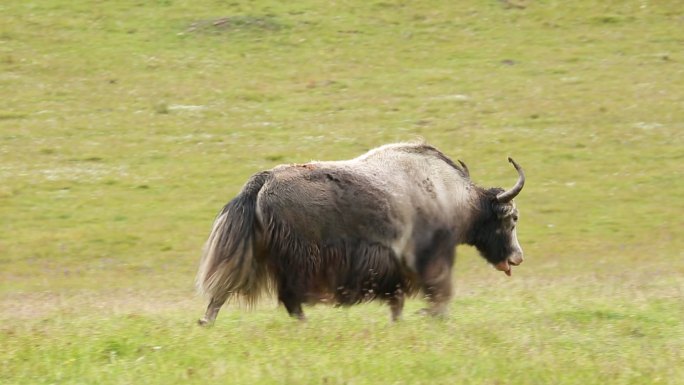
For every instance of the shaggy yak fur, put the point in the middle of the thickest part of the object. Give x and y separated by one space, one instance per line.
381 226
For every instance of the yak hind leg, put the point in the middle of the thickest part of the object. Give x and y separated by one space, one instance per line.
292 302
212 311
437 286
293 307
396 303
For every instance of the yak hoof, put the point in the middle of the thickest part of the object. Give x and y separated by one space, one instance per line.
432 312
204 322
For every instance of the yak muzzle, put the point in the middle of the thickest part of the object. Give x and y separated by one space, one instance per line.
505 265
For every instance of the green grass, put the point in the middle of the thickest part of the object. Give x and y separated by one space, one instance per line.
125 126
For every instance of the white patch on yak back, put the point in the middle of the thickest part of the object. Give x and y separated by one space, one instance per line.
425 189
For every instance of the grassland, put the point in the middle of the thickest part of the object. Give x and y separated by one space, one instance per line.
124 126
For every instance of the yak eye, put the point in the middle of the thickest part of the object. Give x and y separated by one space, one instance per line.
515 218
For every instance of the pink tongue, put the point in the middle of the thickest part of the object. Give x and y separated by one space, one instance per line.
504 266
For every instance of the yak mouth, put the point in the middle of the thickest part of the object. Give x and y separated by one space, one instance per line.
506 264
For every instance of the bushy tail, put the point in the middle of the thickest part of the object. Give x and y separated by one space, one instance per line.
228 266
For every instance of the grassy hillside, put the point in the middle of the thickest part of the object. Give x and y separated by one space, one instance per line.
125 126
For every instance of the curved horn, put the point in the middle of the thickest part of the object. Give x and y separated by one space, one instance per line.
507 196
465 168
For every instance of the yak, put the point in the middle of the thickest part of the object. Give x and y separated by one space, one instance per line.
382 226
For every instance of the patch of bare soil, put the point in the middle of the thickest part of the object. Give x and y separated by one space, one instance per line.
236 24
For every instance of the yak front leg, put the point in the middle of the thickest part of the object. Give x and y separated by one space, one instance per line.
437 286
212 311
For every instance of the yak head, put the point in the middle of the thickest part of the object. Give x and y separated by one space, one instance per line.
493 232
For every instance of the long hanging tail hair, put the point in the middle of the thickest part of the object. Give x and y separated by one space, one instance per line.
229 265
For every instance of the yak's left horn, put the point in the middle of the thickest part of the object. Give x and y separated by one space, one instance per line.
507 196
